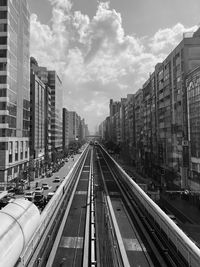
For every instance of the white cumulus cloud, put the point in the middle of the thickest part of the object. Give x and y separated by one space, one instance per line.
94 57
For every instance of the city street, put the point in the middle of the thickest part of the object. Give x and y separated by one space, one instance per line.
49 180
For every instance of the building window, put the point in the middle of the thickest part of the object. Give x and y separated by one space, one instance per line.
3 14
3 40
3 2
3 53
16 150
3 145
3 106
3 119
3 79
3 92
3 66
15 169
21 149
3 27
10 151
10 171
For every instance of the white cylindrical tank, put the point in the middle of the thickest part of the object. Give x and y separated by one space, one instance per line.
18 221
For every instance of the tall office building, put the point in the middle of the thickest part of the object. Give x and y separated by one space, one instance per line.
14 88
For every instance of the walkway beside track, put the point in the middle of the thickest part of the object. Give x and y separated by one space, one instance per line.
70 244
187 207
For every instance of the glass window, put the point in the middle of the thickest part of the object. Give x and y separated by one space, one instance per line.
3 79
10 147
3 118
12 122
3 14
3 145
3 92
3 27
12 109
3 53
3 40
3 2
12 97
3 106
3 66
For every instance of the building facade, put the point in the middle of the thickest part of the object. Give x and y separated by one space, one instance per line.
37 123
73 126
55 84
54 111
193 111
65 130
165 122
14 88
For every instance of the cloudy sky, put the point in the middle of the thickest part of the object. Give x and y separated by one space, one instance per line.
104 50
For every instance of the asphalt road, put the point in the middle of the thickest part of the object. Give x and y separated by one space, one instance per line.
49 180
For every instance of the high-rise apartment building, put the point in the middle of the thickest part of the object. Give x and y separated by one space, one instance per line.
54 110
171 92
73 126
37 122
65 130
14 88
55 84
193 112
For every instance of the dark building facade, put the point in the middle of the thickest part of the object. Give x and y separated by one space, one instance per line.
37 123
193 108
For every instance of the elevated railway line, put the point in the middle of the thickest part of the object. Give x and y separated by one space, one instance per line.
100 217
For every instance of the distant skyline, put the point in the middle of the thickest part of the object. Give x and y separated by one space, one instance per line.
104 50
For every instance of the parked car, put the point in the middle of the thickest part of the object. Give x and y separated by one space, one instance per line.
56 180
39 188
45 186
29 195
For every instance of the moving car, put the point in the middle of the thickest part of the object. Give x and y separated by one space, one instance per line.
39 188
56 180
45 186
29 195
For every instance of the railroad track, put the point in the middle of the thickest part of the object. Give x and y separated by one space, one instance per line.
143 242
75 241
99 221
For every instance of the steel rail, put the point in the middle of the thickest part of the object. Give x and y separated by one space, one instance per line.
183 245
86 253
137 219
123 255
